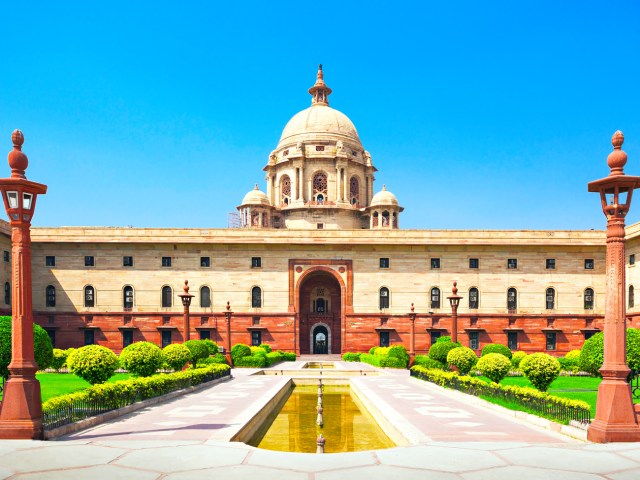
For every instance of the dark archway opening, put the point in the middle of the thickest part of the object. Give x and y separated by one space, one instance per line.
320 314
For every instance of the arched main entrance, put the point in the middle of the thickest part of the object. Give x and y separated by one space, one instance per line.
320 313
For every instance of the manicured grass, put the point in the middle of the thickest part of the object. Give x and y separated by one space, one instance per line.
56 384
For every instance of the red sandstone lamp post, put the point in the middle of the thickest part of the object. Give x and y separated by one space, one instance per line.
454 301
616 419
412 338
186 303
21 410
228 314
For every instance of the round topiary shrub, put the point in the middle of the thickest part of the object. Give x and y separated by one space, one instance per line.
541 369
399 352
258 351
439 350
93 363
59 358
496 348
211 346
494 366
591 355
41 345
463 358
239 350
517 357
176 355
142 358
198 349
266 347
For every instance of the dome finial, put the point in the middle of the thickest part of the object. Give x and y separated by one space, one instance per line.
320 92
255 187
18 161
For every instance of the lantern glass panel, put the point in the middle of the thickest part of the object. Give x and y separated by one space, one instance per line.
12 199
27 199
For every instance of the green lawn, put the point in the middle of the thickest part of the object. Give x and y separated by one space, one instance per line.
55 384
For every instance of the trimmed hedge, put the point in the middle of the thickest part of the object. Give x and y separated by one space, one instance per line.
251 361
70 408
42 347
266 347
93 363
218 358
395 356
370 359
496 348
142 358
239 350
427 362
351 357
554 407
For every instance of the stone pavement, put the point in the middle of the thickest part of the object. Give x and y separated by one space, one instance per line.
187 438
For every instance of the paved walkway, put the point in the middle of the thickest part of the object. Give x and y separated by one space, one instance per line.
449 436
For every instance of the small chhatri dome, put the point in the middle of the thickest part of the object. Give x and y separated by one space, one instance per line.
384 198
320 121
256 197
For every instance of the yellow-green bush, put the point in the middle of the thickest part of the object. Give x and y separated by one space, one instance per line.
517 357
494 366
541 369
463 358
93 363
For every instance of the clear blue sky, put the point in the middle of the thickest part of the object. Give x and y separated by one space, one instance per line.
478 115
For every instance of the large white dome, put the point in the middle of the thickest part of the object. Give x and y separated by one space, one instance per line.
319 122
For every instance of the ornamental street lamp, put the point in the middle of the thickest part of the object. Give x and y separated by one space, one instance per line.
21 409
615 415
228 314
412 338
454 301
186 303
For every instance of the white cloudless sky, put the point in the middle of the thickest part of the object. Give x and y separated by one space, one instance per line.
478 115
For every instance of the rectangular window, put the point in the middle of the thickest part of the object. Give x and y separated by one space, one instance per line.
474 263
89 337
588 263
319 226
256 262
384 263
256 338
52 336
473 340
435 263
512 263
5 255
512 341
127 338
384 339
50 261
166 261
588 334
127 261
166 338
551 340
435 335
632 259
205 262
205 334
551 263
89 261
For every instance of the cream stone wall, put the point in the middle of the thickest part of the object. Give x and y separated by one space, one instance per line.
231 277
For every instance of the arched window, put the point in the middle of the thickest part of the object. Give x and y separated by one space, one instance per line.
354 191
384 298
127 297
375 219
51 296
285 189
167 296
435 297
631 300
395 220
550 297
385 219
89 296
474 298
320 187
205 297
588 299
256 297
321 305
7 293
512 299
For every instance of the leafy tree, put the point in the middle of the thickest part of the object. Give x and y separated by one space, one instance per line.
592 353
198 349
41 345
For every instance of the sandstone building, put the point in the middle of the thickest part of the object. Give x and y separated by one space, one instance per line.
320 264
